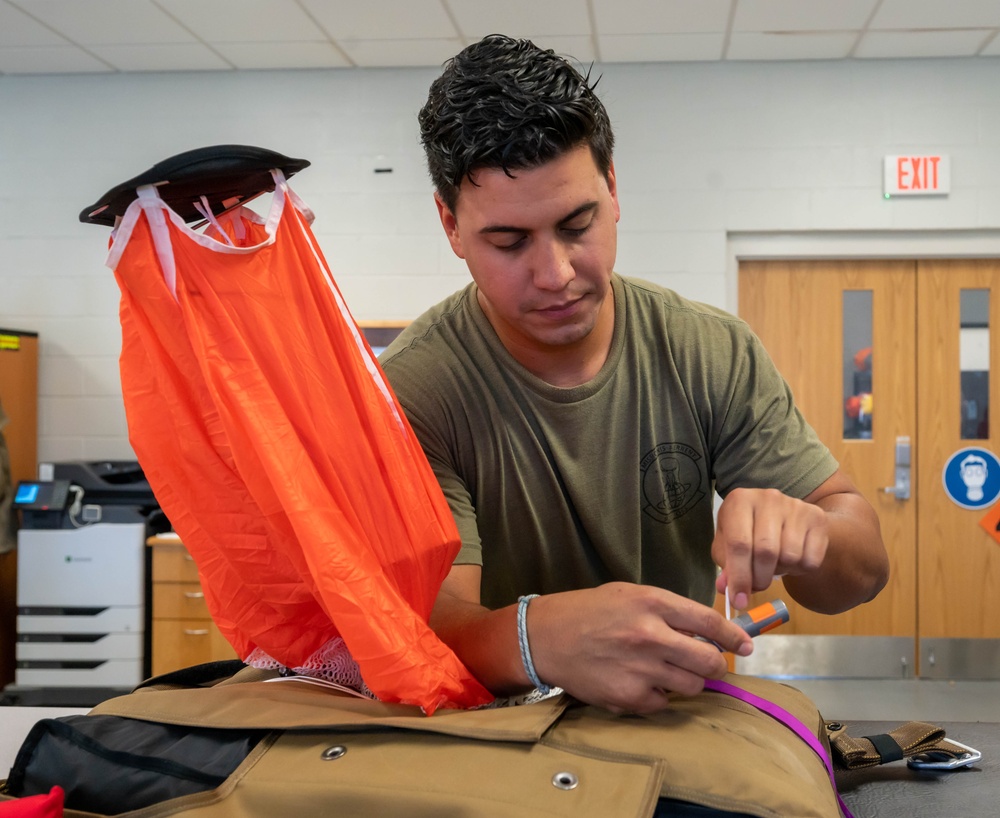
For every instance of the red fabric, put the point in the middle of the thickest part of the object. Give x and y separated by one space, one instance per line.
35 806
294 480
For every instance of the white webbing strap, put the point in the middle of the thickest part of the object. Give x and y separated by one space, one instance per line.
154 208
205 209
280 185
236 220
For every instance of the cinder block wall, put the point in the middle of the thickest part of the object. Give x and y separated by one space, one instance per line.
704 151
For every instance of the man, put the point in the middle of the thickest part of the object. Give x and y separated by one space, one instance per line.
579 422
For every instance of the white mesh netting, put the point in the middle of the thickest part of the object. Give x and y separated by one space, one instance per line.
333 663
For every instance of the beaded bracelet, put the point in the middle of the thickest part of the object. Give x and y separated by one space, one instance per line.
522 640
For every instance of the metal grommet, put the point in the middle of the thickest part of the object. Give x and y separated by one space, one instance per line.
334 752
565 781
835 725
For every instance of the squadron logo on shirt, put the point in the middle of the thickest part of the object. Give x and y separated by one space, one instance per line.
671 481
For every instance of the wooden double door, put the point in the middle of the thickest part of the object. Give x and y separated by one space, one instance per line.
896 365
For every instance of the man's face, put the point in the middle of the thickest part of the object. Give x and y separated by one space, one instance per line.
541 248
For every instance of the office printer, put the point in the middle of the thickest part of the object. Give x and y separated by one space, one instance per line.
81 582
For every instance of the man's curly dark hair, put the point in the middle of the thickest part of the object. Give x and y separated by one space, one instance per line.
506 103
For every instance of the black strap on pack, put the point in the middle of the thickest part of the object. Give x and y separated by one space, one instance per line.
203 675
887 747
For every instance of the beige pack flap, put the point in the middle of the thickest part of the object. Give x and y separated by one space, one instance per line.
288 704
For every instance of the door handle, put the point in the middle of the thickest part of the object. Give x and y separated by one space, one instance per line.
901 490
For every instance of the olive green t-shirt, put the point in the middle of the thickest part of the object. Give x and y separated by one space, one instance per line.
555 488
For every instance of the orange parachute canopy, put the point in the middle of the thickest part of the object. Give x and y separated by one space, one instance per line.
277 449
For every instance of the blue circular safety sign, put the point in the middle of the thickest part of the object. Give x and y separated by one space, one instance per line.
972 478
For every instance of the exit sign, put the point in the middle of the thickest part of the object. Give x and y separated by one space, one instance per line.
916 175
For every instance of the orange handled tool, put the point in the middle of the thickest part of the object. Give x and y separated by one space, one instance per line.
763 618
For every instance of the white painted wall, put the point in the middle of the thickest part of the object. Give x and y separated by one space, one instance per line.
708 154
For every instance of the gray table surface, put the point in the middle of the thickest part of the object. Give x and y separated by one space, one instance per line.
896 790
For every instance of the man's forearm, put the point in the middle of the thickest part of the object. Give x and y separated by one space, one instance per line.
856 567
484 640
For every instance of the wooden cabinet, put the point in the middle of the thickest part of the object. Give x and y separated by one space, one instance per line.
183 632
19 397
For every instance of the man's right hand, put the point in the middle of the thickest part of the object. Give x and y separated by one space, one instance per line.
627 647
620 646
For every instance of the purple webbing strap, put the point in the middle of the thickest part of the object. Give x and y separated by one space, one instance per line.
787 719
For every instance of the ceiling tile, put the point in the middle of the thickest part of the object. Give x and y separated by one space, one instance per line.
161 57
244 21
90 22
576 49
907 15
258 56
908 44
992 48
796 15
827 45
521 18
400 53
382 19
261 34
641 17
660 47
18 29
49 60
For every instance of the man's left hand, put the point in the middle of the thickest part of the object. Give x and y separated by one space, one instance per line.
761 534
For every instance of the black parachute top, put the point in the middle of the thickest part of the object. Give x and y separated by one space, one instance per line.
225 174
